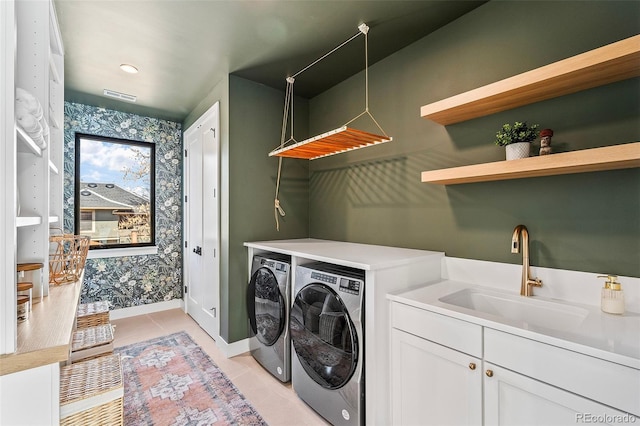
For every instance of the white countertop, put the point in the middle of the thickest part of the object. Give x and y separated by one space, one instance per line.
615 338
355 255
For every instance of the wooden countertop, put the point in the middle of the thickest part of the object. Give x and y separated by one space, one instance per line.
45 337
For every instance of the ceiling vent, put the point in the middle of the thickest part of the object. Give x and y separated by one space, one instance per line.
119 96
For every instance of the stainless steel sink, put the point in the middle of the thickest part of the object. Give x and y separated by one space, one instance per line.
534 311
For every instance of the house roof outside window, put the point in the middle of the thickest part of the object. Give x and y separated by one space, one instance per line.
99 196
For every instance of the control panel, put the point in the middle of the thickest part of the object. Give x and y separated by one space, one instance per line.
350 286
324 278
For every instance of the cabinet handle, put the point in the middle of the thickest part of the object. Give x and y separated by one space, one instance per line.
472 365
489 373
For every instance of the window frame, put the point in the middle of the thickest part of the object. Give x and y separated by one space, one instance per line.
152 195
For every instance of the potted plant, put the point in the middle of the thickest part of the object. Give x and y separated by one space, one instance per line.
517 139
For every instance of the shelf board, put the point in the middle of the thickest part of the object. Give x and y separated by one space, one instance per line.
623 156
26 143
333 142
54 75
55 38
52 168
604 65
52 118
53 219
28 221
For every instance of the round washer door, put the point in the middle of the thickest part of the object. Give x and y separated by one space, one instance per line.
266 306
323 336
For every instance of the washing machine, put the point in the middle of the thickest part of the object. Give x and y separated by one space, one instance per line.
268 311
326 324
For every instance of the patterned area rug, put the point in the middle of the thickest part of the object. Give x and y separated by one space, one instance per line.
172 381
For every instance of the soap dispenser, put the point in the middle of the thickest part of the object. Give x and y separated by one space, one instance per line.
612 300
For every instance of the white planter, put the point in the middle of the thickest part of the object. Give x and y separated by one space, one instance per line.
518 150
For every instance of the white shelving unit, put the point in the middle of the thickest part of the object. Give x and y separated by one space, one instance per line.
33 59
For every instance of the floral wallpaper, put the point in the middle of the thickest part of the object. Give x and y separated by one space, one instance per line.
132 280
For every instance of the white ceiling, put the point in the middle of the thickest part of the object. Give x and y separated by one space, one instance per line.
183 48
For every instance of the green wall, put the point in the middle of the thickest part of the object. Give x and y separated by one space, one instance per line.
255 123
220 93
587 222
250 126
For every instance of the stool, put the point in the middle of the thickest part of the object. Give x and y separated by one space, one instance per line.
92 314
28 287
91 342
92 392
22 307
21 268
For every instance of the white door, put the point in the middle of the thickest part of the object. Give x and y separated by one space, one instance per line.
432 384
515 400
201 263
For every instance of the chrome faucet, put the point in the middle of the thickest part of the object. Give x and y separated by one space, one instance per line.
520 232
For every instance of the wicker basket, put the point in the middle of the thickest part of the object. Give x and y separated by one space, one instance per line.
92 314
91 392
67 256
91 342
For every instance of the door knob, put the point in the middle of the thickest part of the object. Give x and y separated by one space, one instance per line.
472 365
489 373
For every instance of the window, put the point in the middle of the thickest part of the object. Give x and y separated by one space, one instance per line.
115 192
87 221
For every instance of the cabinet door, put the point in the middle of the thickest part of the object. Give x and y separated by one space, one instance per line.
513 399
432 384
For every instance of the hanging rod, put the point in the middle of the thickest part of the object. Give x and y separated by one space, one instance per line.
335 141
363 29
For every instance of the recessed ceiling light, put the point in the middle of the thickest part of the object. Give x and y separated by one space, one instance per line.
129 68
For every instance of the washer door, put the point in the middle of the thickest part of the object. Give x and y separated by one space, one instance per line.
323 336
266 307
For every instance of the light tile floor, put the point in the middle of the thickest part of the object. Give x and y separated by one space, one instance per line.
276 402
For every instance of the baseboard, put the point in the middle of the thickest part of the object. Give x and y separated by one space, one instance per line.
145 309
232 349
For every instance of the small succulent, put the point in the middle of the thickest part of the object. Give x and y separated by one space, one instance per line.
518 132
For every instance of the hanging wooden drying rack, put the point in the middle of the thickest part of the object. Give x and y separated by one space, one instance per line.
335 141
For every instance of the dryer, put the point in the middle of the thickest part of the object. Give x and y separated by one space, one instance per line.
268 311
327 324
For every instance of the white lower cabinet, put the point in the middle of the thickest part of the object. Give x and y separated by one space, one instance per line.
31 397
514 399
445 371
432 384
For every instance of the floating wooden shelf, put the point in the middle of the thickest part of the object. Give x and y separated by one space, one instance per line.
624 156
607 64
333 142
